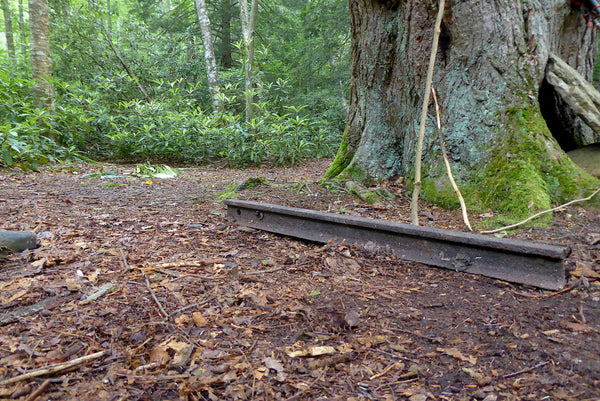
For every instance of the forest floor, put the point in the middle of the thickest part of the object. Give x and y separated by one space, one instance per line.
245 309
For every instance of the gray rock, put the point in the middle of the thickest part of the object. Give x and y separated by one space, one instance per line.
18 241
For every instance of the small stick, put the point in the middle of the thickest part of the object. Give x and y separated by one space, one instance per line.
181 310
392 366
393 355
520 372
191 263
256 272
48 370
162 310
414 205
41 389
463 207
541 213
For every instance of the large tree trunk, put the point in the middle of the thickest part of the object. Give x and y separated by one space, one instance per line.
490 80
41 65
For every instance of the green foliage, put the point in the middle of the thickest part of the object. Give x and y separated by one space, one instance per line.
98 112
148 170
28 136
175 130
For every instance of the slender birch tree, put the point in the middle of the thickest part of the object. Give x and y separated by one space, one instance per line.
209 55
41 64
22 39
248 27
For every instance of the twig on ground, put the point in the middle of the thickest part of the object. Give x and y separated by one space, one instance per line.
414 205
181 310
393 355
463 207
542 213
190 263
162 310
41 389
256 272
392 366
48 370
520 372
432 339
97 294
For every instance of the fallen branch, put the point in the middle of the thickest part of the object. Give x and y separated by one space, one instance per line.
542 213
52 369
520 372
41 390
463 207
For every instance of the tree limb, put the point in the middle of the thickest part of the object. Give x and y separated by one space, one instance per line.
463 207
542 213
414 205
60 367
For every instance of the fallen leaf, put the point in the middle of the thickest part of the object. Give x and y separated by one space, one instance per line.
275 365
39 263
582 269
311 351
583 328
199 320
453 352
159 355
182 320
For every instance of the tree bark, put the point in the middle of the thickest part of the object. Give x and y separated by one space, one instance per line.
248 27
41 64
209 55
8 29
489 76
22 37
225 46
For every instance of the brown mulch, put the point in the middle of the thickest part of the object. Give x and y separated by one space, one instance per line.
171 301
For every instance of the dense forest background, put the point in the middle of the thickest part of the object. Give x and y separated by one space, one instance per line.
130 83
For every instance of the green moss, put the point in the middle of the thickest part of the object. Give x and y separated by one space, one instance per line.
253 182
362 192
442 195
355 173
342 159
527 173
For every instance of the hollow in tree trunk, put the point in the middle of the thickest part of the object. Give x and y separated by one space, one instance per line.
495 101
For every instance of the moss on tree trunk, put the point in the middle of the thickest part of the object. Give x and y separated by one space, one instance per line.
489 73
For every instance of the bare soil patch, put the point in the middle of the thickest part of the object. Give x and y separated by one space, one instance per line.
185 305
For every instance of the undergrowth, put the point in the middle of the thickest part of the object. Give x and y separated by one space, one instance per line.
173 128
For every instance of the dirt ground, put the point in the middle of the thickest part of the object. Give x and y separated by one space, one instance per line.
143 290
